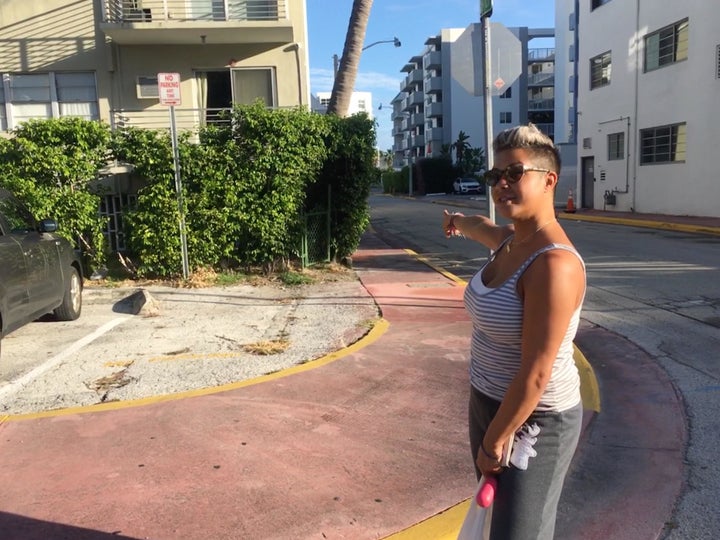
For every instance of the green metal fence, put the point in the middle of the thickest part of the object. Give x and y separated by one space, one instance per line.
315 246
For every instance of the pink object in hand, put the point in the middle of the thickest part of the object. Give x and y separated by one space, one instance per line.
486 494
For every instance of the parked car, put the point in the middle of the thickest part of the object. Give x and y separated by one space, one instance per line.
40 272
467 185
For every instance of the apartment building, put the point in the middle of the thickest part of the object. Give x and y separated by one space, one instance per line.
443 92
100 59
359 102
648 85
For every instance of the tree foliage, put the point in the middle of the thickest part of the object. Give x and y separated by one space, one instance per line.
246 184
51 166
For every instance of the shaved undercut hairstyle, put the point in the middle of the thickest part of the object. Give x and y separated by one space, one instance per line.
532 139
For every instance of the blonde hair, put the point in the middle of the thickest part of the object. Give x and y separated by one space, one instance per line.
532 139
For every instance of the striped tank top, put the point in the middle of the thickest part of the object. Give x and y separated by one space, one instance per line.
496 315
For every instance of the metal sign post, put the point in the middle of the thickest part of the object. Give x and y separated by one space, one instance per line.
487 10
169 90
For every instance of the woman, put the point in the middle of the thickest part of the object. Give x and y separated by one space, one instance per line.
525 307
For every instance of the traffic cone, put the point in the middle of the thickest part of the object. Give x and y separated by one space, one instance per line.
570 203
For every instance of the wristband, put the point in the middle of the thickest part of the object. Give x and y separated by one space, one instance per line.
452 229
494 458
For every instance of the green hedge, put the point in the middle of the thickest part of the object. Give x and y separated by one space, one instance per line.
245 185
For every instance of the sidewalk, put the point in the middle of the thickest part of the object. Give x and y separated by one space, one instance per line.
367 443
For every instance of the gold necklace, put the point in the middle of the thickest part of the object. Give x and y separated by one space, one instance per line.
512 243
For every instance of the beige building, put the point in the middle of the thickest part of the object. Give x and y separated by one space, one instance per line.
100 59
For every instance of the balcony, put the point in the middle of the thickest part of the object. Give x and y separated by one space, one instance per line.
434 135
414 99
541 55
196 22
541 79
413 80
417 119
417 141
541 104
434 110
433 60
433 85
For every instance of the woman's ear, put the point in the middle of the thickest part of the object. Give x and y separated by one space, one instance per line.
551 180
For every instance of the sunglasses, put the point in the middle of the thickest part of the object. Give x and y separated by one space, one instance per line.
512 174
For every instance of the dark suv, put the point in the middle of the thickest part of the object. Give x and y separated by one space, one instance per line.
40 271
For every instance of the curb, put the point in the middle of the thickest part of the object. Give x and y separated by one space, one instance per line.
649 224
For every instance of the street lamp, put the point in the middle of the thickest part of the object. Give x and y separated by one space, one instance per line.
336 59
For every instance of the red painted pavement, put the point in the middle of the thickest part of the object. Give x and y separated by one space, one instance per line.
360 448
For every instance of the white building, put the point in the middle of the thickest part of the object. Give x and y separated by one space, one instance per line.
443 93
359 102
647 105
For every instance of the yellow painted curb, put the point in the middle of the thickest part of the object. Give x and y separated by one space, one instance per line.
443 526
380 327
648 224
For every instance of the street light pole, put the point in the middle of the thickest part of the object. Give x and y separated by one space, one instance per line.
336 59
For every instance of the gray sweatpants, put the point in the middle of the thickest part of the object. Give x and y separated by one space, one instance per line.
526 500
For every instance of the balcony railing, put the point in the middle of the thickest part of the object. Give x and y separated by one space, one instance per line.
139 11
536 55
541 79
541 104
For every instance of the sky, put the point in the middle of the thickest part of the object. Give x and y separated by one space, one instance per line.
412 22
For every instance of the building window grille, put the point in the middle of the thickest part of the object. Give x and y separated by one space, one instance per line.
616 146
600 70
666 46
663 144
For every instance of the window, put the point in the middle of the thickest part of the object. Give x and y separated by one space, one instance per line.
76 95
666 46
48 95
507 94
664 144
147 87
616 146
325 101
506 118
3 114
600 69
594 4
249 85
361 105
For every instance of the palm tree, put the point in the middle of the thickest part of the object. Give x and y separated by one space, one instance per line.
347 72
461 145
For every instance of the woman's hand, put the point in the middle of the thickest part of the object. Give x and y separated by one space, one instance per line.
449 225
487 461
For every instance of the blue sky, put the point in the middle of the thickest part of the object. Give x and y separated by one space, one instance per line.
412 22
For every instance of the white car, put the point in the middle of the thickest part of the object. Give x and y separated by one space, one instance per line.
466 185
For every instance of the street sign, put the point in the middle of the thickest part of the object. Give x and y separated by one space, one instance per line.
486 7
499 83
169 88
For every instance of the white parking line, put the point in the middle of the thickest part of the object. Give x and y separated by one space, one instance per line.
18 383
